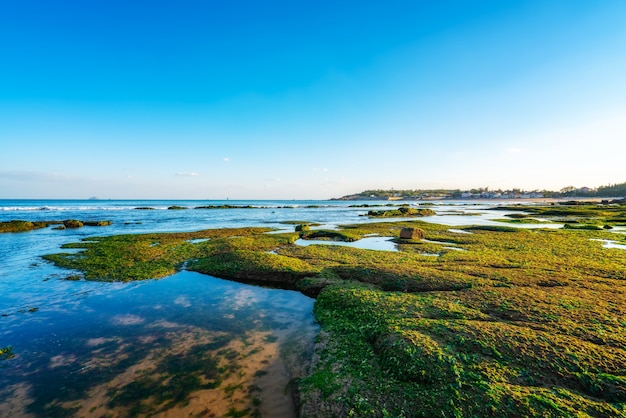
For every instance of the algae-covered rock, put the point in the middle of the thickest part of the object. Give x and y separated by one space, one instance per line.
302 227
415 357
16 226
401 212
412 233
97 223
73 223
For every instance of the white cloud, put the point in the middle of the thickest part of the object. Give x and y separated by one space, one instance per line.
226 159
187 174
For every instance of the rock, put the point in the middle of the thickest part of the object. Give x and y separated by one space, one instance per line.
73 223
412 233
97 223
302 227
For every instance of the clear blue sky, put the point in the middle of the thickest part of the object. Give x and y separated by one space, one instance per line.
292 100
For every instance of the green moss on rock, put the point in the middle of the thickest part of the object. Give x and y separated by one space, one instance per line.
73 223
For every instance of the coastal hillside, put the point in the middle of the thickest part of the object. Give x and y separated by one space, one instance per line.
611 190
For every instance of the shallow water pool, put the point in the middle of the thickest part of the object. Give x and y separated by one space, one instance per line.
186 345
367 243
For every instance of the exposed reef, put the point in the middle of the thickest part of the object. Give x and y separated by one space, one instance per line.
24 226
400 213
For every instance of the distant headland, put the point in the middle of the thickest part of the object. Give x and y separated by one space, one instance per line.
611 190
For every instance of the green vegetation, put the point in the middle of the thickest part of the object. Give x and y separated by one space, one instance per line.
384 194
611 190
6 353
575 214
330 235
147 256
520 221
401 212
521 323
20 226
24 226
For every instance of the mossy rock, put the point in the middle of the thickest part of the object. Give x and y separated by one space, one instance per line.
412 233
302 227
97 223
323 234
254 267
16 226
583 226
73 223
415 357
176 208
400 212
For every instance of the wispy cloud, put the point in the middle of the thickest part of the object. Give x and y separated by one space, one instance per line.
187 174
226 159
323 170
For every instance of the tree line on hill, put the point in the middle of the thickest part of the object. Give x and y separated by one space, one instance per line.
611 190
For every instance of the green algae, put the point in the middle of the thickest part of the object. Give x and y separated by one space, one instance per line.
522 220
573 212
523 323
20 226
24 226
331 235
6 353
401 212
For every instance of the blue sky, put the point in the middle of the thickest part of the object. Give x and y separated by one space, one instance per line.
297 100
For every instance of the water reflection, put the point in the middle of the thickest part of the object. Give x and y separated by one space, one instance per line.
188 345
607 243
368 243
